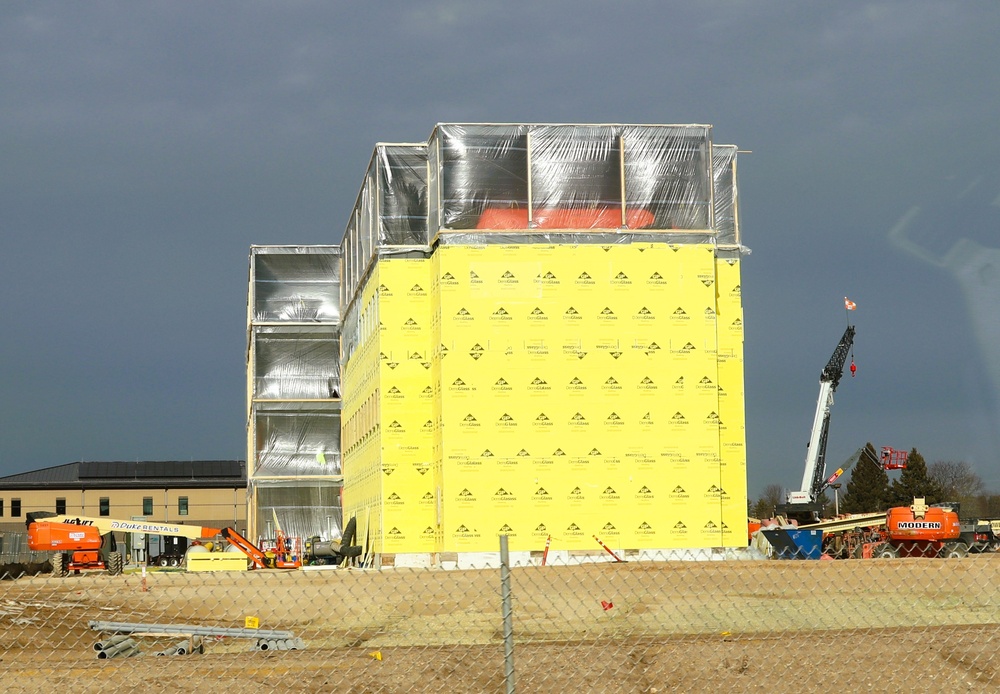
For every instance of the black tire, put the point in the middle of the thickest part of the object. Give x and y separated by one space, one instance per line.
115 564
350 532
58 562
164 561
885 551
954 550
174 561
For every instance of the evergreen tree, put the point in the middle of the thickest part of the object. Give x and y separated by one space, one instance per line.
914 482
868 489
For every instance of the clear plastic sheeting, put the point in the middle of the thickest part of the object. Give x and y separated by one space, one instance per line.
351 331
402 188
559 238
296 284
483 177
725 203
302 510
350 248
479 167
576 178
297 443
299 363
570 177
668 176
293 372
391 210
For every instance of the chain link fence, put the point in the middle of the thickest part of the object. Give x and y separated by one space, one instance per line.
589 624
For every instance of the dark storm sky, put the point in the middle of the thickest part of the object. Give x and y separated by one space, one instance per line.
145 146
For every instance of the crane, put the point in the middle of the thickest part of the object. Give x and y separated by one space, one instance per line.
805 505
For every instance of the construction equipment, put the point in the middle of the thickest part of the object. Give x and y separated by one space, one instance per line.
81 543
892 459
284 552
319 552
287 551
918 530
889 459
280 558
806 504
975 536
979 536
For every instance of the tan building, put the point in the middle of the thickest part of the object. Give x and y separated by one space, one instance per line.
209 493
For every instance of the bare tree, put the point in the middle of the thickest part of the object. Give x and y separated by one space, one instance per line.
958 482
990 505
956 477
771 496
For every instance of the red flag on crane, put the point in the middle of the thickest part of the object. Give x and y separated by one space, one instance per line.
849 305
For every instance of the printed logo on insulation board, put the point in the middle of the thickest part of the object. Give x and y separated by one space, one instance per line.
656 280
669 397
505 529
645 529
610 531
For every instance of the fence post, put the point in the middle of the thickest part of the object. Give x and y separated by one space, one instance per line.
507 611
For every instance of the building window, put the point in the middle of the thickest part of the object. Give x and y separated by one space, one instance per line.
147 505
105 506
1 508
15 508
61 507
182 506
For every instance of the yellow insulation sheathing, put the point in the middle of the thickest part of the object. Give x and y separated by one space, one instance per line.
561 390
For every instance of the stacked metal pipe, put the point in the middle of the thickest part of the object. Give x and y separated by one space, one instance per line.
267 640
184 647
293 644
120 646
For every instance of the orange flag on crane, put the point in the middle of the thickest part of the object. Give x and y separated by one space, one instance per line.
849 305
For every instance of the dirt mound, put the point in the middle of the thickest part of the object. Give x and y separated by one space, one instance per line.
10 572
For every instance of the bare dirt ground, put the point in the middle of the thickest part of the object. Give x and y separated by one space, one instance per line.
878 625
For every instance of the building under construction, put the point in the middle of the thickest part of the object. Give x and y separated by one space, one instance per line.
528 330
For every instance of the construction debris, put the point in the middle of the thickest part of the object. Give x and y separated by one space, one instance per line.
122 644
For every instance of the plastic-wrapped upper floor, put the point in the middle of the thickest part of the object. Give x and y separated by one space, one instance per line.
542 181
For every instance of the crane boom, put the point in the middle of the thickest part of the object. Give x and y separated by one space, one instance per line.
814 474
106 525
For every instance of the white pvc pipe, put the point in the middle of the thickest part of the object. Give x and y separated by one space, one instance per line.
109 642
116 649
